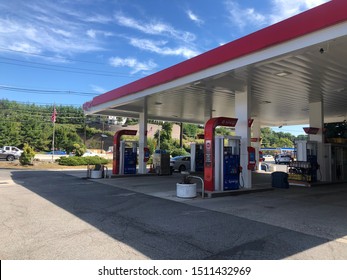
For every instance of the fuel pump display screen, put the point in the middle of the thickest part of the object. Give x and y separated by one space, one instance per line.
251 157
130 158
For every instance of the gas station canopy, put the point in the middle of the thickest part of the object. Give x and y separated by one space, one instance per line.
285 67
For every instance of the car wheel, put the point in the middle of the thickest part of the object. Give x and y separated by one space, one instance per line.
182 168
10 158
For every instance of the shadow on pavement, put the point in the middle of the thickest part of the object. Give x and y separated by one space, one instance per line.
164 229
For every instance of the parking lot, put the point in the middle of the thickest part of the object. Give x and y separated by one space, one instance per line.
62 215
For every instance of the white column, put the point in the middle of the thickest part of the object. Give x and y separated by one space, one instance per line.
142 140
316 116
242 112
256 145
208 113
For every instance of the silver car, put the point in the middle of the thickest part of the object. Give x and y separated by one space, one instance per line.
286 159
180 163
9 156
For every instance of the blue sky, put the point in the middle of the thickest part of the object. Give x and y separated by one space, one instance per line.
67 52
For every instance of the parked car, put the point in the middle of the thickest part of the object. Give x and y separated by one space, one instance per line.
89 153
9 156
180 163
12 150
286 159
268 158
58 152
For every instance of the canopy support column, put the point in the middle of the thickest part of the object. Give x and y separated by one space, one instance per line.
316 116
242 111
142 141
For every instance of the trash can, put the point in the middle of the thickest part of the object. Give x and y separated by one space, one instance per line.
279 180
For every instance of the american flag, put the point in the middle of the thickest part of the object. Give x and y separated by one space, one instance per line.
54 115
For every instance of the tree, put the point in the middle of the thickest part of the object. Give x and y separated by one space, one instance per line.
165 136
27 156
66 137
284 142
79 149
273 139
190 130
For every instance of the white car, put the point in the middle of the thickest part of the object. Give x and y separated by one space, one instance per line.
9 156
268 158
180 163
89 154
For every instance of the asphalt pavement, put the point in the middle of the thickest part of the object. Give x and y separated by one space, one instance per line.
63 215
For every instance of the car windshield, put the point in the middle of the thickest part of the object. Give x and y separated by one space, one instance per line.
177 157
181 158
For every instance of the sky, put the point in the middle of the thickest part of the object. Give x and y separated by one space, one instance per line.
67 52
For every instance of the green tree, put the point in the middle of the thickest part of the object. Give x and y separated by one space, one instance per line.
66 137
301 137
79 149
190 130
165 136
27 156
178 152
284 142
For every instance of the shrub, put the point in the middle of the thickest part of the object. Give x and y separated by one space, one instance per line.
75 161
27 156
79 149
178 152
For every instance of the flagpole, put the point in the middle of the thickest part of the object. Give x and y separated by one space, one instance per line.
53 119
53 141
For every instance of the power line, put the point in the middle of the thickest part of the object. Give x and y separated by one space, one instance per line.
89 71
43 91
58 70
54 57
45 66
44 104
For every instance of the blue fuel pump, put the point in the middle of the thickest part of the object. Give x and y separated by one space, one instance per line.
227 163
231 169
128 157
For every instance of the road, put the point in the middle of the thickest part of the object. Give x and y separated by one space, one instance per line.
52 215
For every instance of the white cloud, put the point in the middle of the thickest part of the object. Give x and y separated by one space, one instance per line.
24 47
29 29
91 33
155 28
160 48
132 63
61 32
99 19
244 16
194 17
280 10
283 9
97 89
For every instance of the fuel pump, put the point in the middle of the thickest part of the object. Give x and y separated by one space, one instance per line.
251 158
227 163
196 157
128 157
306 164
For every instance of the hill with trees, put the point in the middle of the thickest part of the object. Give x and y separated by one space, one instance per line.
31 124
